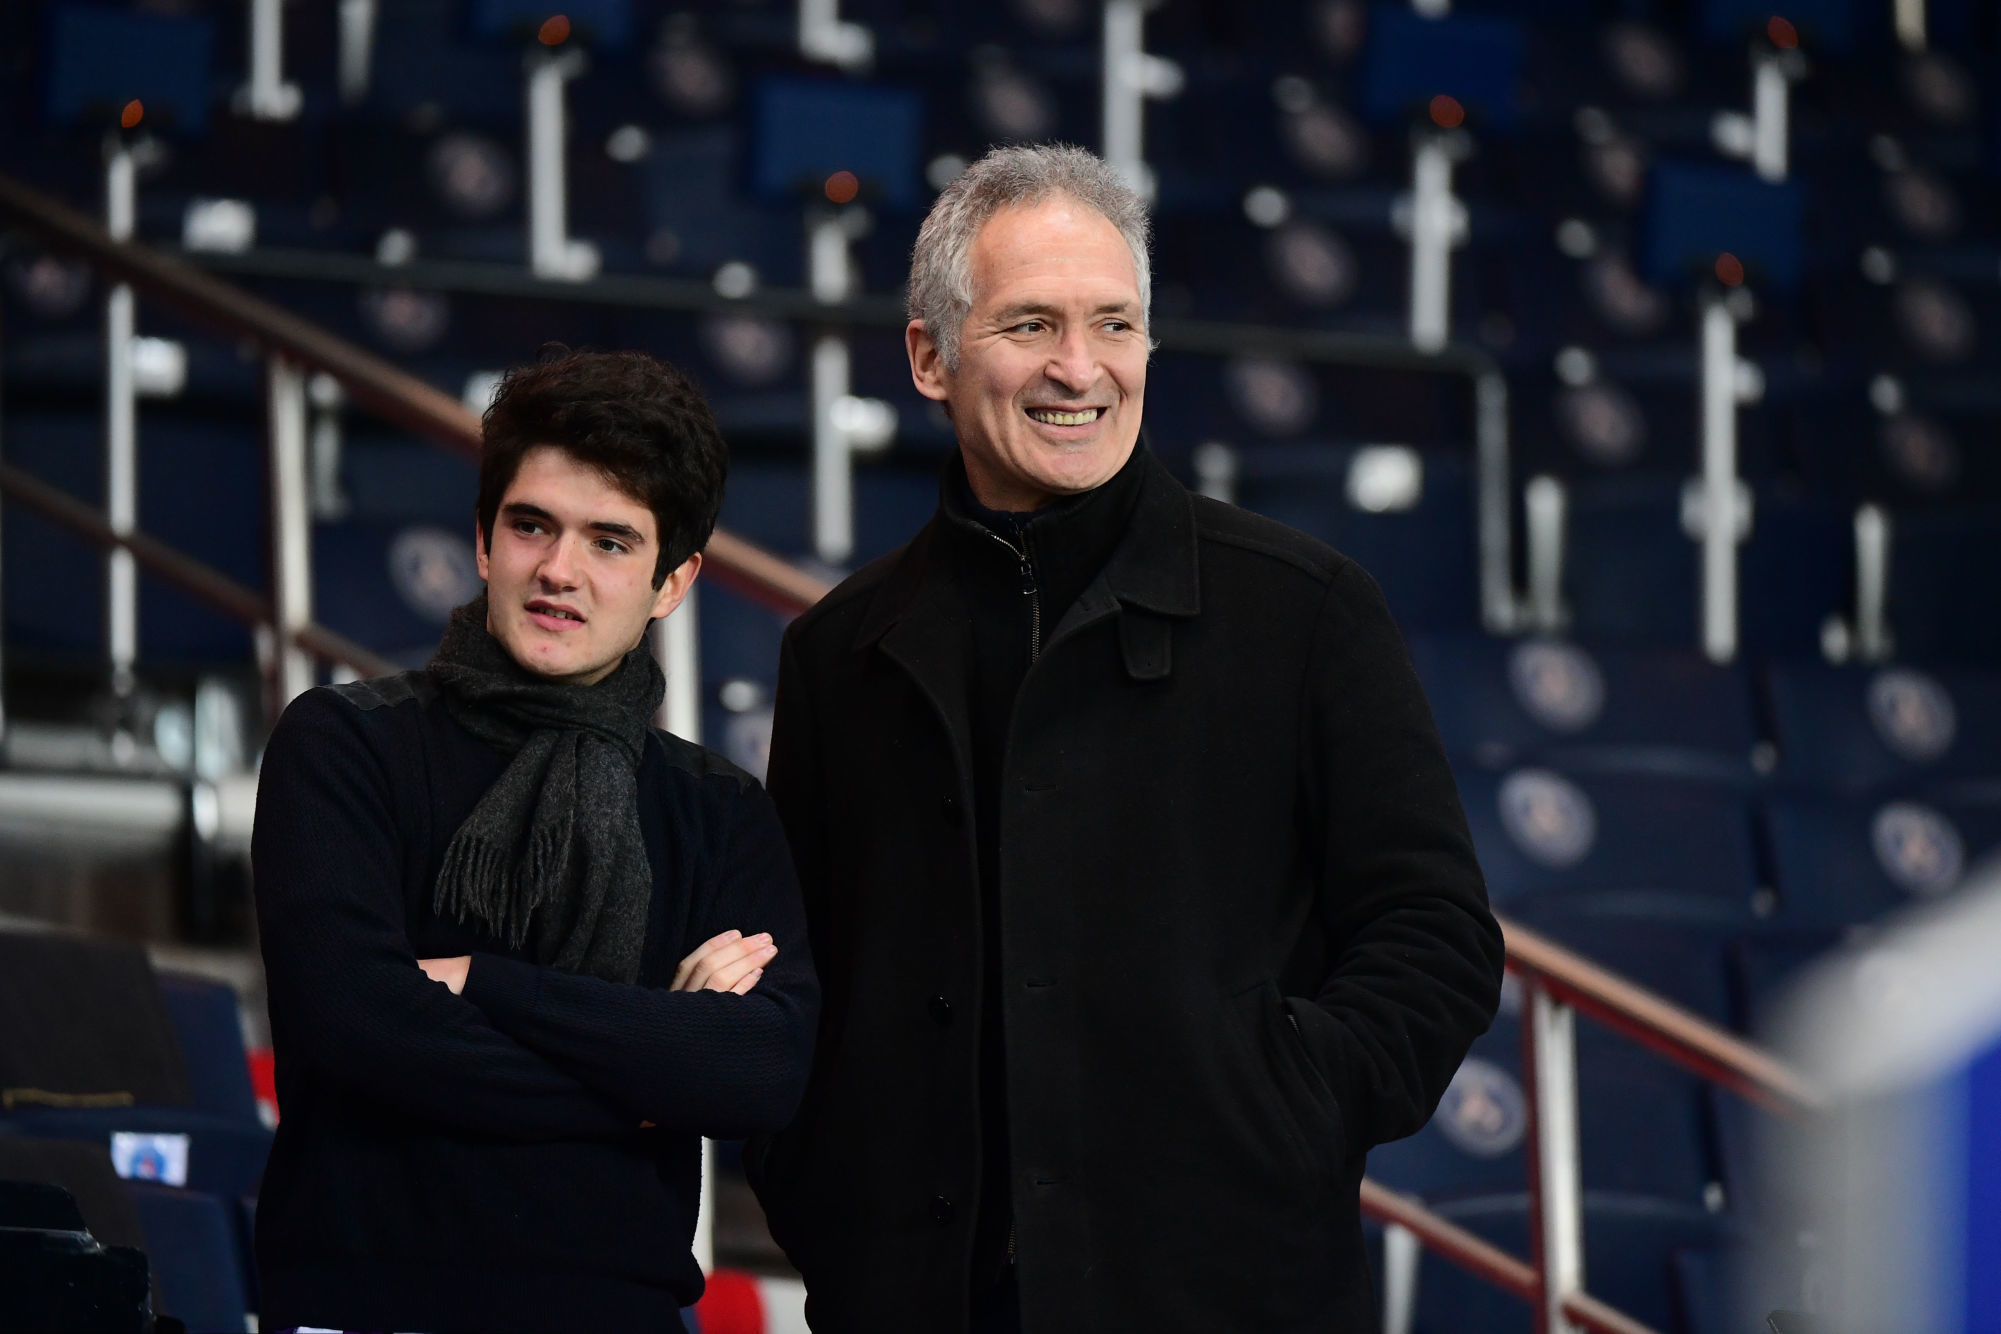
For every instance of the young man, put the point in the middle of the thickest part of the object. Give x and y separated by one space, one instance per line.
524 950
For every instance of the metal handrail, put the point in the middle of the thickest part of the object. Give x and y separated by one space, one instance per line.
395 396
1681 1036
202 582
1557 980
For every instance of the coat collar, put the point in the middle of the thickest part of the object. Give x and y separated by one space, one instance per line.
1153 568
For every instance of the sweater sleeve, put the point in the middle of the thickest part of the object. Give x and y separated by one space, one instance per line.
723 1065
1416 954
350 1006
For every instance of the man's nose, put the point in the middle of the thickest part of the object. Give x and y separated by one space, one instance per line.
1072 364
559 566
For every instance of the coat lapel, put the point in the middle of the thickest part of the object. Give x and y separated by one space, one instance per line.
916 619
1152 579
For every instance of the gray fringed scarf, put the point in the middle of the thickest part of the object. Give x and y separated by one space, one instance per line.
553 850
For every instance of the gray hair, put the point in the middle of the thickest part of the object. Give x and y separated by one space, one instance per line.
941 278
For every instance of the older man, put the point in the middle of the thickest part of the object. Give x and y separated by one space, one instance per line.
1140 889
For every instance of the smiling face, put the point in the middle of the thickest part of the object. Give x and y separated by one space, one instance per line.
1051 380
569 570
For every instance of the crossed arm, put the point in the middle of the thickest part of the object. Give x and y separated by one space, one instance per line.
504 1048
731 962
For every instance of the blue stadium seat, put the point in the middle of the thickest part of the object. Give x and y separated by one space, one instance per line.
1936 615
225 1153
1543 702
197 480
208 1021
1645 846
1631 573
1645 1125
99 57
391 587
1853 729
1629 1241
1423 556
1409 59
193 1249
1839 862
1697 211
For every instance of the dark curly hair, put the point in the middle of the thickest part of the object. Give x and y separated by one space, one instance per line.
638 421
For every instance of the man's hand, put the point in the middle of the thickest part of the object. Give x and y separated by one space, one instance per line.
451 972
729 962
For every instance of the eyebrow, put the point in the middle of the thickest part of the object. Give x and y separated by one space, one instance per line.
1015 312
624 532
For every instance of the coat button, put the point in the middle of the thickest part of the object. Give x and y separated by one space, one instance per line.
942 1211
949 806
941 1009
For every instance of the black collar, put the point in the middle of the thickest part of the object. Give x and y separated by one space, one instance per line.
1153 567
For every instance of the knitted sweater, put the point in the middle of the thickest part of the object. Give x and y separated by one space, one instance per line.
478 1162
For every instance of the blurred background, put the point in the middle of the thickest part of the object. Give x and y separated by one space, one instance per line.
1643 350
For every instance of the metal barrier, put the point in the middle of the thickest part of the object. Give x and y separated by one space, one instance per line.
1557 983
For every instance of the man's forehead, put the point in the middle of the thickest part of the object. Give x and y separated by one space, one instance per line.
1064 242
557 483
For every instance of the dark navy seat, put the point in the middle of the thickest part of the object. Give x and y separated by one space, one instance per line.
392 586
1423 556
197 479
1843 861
193 1249
207 1019
1499 704
1671 849
1858 728
1632 574
1646 1124
1943 570
99 57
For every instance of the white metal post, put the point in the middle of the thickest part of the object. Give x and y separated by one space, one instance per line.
291 529
267 96
1122 103
1549 1054
1545 506
1872 583
1490 430
552 252
121 426
1431 227
833 464
824 37
1770 93
357 49
1720 516
1127 77
1911 24
677 648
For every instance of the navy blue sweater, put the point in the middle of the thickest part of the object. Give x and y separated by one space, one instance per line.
477 1162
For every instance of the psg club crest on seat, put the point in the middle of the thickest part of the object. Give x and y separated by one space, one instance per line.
1558 685
433 571
1483 1112
1913 714
1548 817
1918 848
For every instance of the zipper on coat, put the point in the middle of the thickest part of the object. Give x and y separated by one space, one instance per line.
1029 590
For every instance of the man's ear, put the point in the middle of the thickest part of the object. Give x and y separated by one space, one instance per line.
679 580
927 367
479 547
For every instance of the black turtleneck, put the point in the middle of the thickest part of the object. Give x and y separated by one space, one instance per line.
1019 573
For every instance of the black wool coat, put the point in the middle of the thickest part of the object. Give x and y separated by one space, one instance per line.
1243 936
